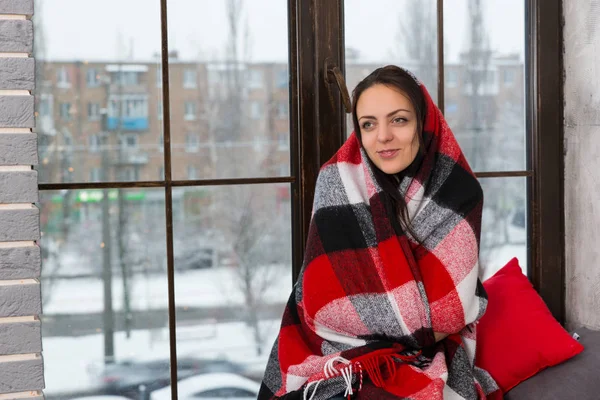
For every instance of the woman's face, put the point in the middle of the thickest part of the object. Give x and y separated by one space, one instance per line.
388 128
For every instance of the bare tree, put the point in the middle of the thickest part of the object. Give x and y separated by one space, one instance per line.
242 213
417 39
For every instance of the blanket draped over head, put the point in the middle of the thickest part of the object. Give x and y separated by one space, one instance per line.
361 319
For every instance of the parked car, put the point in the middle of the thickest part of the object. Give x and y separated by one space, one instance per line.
128 377
211 386
107 397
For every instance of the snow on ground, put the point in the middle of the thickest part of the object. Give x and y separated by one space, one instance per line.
71 363
196 288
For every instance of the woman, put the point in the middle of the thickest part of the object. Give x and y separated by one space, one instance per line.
386 304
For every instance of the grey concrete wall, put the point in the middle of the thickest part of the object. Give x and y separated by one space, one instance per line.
21 361
582 161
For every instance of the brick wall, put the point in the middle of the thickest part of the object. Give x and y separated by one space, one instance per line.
21 365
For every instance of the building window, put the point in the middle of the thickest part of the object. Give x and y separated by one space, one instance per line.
451 78
131 174
94 143
65 111
95 174
256 110
282 110
161 143
129 142
161 173
192 142
132 106
93 111
160 109
255 79
190 79
190 111
283 140
62 78
158 76
192 172
126 78
92 77
509 77
282 79
45 106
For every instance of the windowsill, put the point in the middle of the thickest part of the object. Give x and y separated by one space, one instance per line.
189 118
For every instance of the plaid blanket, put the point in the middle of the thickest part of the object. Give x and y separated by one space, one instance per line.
361 319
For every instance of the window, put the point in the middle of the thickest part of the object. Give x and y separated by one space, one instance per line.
256 110
191 172
62 78
159 110
255 79
161 173
282 110
190 111
451 78
509 77
158 76
65 111
93 111
94 143
131 174
190 78
126 78
283 140
129 141
131 106
161 143
282 79
95 174
192 142
45 106
92 78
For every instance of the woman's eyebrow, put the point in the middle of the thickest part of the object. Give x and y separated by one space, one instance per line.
389 115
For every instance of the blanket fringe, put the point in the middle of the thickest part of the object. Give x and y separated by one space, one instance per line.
379 367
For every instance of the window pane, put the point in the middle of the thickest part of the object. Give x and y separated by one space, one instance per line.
238 102
232 275
91 247
96 75
484 52
504 230
389 32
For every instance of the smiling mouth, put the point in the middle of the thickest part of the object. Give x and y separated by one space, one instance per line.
388 153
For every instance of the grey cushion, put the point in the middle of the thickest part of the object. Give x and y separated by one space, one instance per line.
577 378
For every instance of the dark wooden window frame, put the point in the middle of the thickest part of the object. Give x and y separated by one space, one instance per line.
317 130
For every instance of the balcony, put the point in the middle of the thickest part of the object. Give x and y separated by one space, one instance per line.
131 157
128 124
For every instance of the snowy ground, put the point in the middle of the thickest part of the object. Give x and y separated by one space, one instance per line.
71 363
203 288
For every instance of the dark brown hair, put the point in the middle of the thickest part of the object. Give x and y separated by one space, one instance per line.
395 78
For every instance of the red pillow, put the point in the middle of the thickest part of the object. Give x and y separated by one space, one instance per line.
518 336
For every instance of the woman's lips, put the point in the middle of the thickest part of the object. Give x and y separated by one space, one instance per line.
388 153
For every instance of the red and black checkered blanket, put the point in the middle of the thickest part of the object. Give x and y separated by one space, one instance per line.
362 316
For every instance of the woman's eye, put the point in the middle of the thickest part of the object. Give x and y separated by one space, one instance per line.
367 125
399 120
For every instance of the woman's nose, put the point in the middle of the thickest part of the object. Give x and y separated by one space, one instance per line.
384 134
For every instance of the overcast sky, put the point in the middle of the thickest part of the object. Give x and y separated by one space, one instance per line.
105 29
